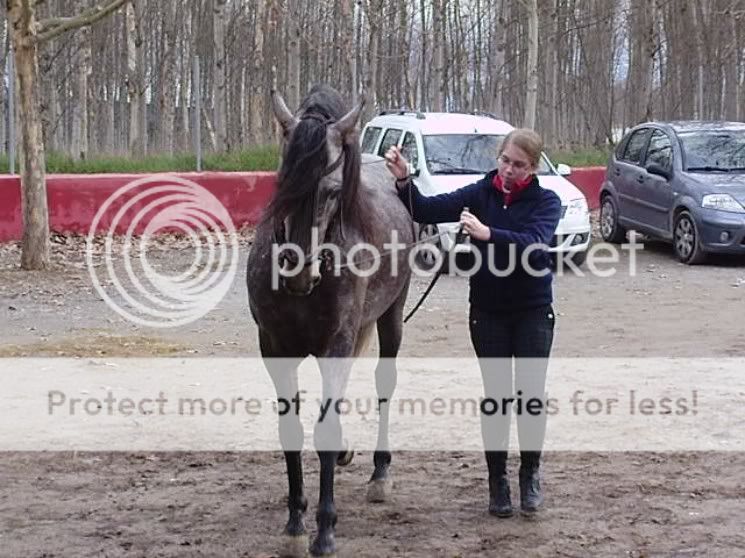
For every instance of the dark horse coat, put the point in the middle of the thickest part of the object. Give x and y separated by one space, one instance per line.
324 184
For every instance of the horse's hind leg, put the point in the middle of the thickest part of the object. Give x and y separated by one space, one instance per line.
390 331
283 372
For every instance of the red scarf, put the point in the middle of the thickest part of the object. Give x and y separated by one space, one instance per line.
514 192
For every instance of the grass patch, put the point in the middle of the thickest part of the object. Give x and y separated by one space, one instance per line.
588 157
264 158
256 159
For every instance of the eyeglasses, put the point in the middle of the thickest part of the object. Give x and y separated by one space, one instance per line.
519 165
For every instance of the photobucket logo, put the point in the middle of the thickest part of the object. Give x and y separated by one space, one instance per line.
133 216
365 259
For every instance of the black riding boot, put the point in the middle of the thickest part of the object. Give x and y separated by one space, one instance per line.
531 496
500 503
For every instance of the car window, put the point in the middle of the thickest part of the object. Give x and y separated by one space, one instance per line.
389 139
370 139
635 146
409 149
621 148
660 150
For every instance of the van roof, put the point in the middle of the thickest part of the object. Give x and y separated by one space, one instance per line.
430 123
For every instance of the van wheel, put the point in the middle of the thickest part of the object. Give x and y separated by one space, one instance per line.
686 242
610 229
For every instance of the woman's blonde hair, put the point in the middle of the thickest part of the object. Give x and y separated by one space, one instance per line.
527 140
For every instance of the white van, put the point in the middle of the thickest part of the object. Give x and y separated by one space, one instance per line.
450 150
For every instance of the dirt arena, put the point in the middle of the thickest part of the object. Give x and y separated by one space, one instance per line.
232 504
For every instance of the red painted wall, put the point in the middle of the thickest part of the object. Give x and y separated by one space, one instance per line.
589 180
75 199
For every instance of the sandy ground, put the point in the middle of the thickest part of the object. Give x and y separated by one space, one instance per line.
232 504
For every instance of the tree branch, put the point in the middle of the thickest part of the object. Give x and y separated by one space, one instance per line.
53 27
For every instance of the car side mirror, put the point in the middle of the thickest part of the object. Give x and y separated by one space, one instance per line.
659 170
563 170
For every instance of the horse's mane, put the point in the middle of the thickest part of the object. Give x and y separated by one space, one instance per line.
305 159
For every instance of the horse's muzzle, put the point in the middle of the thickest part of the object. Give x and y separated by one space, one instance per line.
293 287
301 280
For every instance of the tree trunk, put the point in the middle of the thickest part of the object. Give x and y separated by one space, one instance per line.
135 85
4 42
220 80
168 83
438 99
347 52
531 94
497 73
423 73
371 79
35 243
293 55
79 141
258 134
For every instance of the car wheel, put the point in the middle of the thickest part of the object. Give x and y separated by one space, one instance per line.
610 229
686 242
579 258
426 259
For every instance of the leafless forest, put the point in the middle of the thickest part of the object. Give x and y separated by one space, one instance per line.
576 69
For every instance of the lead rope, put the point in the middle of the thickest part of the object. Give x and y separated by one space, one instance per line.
442 263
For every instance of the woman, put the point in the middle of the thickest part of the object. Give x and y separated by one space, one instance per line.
511 221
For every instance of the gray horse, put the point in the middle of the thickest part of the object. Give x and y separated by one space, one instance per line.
320 309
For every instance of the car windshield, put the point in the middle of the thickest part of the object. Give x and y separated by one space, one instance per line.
466 154
715 151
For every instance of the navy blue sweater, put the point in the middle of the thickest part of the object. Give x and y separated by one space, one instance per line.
530 220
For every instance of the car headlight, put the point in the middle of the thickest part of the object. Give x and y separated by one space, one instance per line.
722 202
577 207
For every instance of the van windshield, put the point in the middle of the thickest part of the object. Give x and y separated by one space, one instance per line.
466 154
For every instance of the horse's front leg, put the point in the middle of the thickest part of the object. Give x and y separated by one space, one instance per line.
284 375
329 444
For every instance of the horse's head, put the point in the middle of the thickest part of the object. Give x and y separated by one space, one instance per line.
317 181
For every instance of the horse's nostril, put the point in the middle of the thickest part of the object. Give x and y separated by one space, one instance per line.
288 257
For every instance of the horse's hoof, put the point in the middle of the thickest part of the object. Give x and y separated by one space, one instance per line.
324 545
379 490
294 546
345 458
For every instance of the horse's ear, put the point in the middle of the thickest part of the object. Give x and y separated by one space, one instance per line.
281 112
347 122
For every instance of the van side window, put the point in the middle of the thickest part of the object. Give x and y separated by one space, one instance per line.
409 149
389 139
370 139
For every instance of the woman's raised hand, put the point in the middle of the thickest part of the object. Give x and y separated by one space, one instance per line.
396 163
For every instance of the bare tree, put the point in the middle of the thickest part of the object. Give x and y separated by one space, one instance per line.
26 35
136 79
599 65
220 85
79 140
531 89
